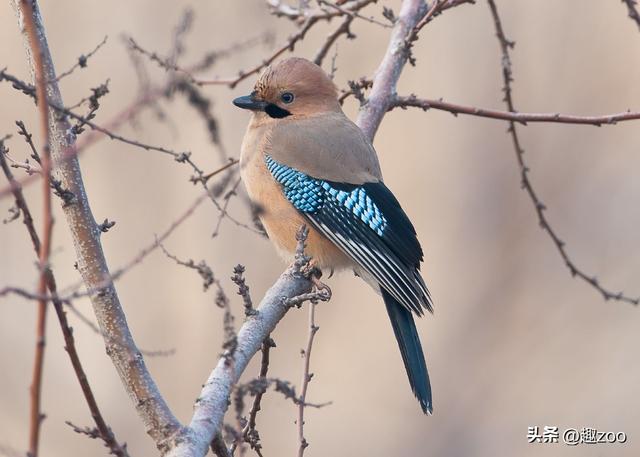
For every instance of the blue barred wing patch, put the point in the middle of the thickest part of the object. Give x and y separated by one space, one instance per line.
367 223
310 195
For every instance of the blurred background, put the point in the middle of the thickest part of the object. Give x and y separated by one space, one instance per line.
514 342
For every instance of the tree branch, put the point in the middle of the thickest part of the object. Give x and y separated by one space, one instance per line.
388 73
306 378
507 75
213 401
513 116
40 79
413 15
104 430
343 28
159 421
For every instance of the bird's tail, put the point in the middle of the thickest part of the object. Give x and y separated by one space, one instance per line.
407 336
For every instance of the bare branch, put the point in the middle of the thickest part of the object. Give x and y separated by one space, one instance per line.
280 9
82 60
505 46
250 433
413 15
40 79
343 29
243 290
155 413
388 72
306 378
204 270
353 14
233 81
514 116
147 98
104 430
180 157
309 19
212 403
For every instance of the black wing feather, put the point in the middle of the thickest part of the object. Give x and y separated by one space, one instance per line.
393 259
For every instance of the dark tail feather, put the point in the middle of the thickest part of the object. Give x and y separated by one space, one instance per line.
407 336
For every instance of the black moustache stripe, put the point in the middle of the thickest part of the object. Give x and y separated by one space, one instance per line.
275 111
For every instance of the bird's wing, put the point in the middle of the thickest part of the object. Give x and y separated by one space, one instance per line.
328 145
367 223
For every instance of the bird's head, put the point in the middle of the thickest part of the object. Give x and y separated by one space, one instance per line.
294 87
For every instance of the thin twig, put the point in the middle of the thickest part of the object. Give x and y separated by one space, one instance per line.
160 422
202 268
195 439
311 18
505 46
437 8
40 79
181 157
243 290
148 98
105 431
233 81
513 116
343 29
82 60
223 211
306 377
250 433
86 321
354 14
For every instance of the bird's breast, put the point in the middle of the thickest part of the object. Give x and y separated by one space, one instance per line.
280 218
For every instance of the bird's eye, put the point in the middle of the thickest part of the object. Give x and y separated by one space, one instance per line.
287 97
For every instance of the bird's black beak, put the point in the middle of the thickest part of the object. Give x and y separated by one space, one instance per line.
250 102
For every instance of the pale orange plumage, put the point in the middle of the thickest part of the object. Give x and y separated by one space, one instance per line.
317 138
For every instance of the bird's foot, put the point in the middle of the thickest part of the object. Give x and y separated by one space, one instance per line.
321 289
314 273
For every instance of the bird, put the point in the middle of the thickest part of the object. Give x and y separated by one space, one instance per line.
304 162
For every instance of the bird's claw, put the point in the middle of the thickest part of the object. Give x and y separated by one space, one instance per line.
323 291
314 274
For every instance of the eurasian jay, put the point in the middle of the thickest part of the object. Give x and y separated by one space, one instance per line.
304 162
